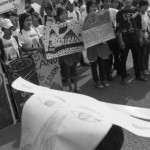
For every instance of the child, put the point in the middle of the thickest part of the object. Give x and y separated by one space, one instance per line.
98 55
69 62
35 22
130 37
28 36
9 46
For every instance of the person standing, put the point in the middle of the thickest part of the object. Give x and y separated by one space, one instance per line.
129 30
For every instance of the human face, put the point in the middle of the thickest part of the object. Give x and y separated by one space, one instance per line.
106 4
34 20
70 7
93 8
144 8
115 3
127 3
48 11
28 22
63 17
14 21
8 32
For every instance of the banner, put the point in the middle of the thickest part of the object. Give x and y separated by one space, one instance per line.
22 67
97 28
58 120
48 71
63 39
7 117
6 5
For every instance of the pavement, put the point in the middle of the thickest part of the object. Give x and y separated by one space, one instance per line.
136 93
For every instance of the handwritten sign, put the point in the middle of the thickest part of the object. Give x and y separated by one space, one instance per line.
63 39
6 5
48 71
22 67
97 28
64 120
6 111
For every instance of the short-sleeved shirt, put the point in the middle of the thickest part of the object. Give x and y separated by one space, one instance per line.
11 48
30 38
128 20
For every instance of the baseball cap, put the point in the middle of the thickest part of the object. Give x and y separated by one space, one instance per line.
6 23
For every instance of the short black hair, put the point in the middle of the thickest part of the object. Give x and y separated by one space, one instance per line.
143 3
89 4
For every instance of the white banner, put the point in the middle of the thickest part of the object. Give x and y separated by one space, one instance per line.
6 5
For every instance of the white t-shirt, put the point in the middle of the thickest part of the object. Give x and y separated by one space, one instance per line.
36 7
11 48
30 38
145 21
113 13
73 15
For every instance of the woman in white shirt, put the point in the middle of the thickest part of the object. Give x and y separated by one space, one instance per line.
145 49
29 37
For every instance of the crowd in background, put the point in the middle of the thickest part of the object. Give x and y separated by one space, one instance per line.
22 35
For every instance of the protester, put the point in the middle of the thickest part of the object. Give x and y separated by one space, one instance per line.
29 4
130 37
68 62
36 22
145 50
47 13
14 19
29 37
9 45
98 55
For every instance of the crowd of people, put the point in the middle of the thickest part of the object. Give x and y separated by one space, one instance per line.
22 35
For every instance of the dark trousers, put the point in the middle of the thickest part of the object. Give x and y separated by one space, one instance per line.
145 51
131 42
103 68
115 57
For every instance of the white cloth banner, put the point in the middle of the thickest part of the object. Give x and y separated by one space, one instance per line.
57 120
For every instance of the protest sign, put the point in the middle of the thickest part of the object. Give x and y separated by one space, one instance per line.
22 67
6 5
97 28
63 39
48 71
6 111
57 120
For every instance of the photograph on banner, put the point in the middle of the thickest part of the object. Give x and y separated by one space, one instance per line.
97 28
63 39
6 5
48 71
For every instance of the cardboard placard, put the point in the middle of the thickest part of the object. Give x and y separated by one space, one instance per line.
6 112
48 71
97 28
63 39
22 67
6 5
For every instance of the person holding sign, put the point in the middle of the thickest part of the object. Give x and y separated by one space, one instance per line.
28 36
68 62
98 55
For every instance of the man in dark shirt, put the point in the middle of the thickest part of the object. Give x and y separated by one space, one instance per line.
130 37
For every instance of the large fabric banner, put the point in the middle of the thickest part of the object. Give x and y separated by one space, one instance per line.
63 39
6 5
97 28
58 120
48 71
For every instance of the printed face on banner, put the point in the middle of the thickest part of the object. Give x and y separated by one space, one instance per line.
63 39
62 120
